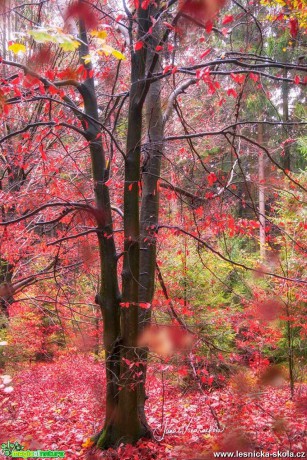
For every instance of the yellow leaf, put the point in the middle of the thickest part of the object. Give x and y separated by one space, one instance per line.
107 50
87 59
69 45
118 55
87 443
16 47
102 34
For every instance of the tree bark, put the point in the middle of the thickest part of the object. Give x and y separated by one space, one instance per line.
130 426
151 167
109 296
261 179
285 118
126 425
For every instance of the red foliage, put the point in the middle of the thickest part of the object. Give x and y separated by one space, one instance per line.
293 27
58 406
202 10
138 46
84 11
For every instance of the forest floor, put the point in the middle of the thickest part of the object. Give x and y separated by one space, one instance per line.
59 405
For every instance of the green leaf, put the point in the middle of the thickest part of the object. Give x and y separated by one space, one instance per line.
42 36
65 41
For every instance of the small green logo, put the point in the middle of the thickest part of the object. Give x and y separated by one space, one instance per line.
9 447
16 450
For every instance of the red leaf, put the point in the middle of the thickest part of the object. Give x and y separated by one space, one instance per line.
183 371
145 4
208 26
232 92
144 305
139 45
293 27
167 69
53 90
205 53
227 19
82 11
200 9
254 76
124 304
108 182
238 78
296 80
42 152
211 178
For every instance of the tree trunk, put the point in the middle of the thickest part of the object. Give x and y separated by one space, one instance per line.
109 297
285 118
130 426
151 166
261 179
126 425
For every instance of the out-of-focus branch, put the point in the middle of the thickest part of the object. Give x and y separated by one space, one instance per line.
170 104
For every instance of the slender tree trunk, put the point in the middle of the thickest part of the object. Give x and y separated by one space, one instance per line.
290 355
109 297
130 426
126 426
285 118
261 180
149 209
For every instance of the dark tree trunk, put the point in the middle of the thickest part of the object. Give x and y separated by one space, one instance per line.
109 296
132 426
151 166
126 422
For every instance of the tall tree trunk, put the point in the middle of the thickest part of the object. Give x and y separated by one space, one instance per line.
126 426
130 426
285 118
109 297
125 416
289 334
261 180
151 166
